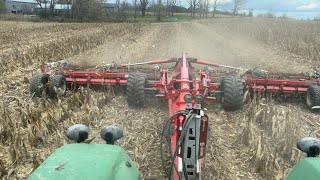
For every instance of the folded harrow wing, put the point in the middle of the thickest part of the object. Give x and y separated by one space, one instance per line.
186 87
303 87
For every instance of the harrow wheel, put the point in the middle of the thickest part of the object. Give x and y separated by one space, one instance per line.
38 84
58 86
313 96
135 90
232 98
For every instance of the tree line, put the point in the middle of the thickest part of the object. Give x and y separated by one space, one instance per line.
98 9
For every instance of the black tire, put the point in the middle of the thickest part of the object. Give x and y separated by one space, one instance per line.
57 81
313 96
232 97
136 96
38 84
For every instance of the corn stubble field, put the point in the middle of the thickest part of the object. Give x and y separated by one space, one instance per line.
257 142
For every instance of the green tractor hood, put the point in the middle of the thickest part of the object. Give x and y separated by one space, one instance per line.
87 161
306 169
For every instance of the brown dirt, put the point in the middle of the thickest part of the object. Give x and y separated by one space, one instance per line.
227 156
203 40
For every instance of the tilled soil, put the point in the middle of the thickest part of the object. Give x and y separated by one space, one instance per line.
234 146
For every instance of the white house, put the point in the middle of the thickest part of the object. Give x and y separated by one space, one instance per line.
20 6
58 8
32 7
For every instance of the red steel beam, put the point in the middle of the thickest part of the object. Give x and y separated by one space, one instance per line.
178 103
94 74
161 61
203 62
96 81
279 88
286 82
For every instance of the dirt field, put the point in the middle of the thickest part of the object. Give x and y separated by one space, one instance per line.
254 143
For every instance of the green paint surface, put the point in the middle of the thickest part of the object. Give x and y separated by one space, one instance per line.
87 161
306 169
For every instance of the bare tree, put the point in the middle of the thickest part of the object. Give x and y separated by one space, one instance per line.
190 3
122 13
206 7
168 7
193 5
125 6
159 10
237 5
201 7
216 4
250 13
135 9
154 7
118 5
40 3
52 4
88 10
144 4
170 4
2 7
173 4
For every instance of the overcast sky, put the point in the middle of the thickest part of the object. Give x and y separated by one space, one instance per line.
300 9
284 5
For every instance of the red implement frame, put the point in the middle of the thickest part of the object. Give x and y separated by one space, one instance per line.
175 83
287 84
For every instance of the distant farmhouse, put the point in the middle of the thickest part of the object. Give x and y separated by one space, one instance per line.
109 7
33 7
20 6
58 9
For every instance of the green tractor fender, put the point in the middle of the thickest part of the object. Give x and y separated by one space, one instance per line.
308 168
87 161
110 162
82 161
